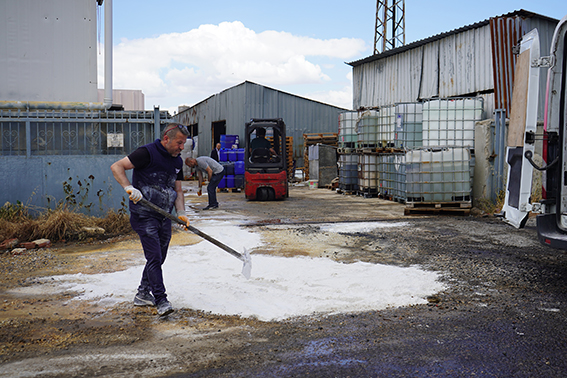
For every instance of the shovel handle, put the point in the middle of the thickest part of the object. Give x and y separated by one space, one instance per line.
219 244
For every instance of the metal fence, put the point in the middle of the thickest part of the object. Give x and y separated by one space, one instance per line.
44 152
40 133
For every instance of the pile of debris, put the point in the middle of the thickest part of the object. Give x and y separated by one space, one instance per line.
15 247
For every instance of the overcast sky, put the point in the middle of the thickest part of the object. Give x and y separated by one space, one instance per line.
181 52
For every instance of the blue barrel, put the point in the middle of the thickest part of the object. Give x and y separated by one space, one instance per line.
231 155
222 183
229 181
223 155
238 167
239 181
240 154
228 167
229 141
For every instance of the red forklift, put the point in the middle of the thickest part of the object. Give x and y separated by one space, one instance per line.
265 161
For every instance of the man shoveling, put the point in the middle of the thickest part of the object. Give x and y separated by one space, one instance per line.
157 175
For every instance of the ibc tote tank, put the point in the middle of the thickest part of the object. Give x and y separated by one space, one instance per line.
347 130
438 175
348 172
367 129
409 125
368 175
451 122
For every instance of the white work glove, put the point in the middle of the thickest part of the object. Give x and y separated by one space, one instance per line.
135 194
183 216
200 192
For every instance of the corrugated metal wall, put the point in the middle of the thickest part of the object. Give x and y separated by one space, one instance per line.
449 67
475 60
239 104
464 63
505 32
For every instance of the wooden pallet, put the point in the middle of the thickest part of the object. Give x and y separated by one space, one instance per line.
347 192
331 139
346 151
230 190
289 154
378 150
437 208
368 192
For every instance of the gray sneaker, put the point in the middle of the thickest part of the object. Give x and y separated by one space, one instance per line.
144 298
164 308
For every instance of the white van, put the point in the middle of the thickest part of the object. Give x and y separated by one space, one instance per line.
552 222
552 209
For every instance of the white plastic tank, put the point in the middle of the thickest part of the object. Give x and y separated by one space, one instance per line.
367 128
409 125
387 126
438 175
392 173
450 122
368 174
188 151
348 172
348 137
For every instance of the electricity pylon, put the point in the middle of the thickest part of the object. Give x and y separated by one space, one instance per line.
390 25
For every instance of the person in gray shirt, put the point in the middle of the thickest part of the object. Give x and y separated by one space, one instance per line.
215 172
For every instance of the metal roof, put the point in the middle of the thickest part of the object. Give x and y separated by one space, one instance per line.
421 42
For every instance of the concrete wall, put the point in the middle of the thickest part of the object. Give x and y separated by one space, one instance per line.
49 50
40 181
484 173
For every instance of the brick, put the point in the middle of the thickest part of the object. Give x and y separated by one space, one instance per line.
27 245
18 251
9 243
42 243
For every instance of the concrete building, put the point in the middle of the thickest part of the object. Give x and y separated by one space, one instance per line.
56 141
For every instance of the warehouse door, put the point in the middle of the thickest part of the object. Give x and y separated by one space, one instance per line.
217 129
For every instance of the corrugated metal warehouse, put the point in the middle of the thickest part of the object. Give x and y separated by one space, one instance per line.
228 111
475 60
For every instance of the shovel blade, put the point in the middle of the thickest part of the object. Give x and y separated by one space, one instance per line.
247 267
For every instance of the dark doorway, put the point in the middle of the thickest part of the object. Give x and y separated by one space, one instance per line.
217 129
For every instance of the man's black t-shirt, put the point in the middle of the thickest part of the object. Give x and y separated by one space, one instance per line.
140 158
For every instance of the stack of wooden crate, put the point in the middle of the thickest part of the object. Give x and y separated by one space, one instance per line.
289 154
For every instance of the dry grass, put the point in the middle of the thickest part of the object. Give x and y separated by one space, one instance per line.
58 225
490 207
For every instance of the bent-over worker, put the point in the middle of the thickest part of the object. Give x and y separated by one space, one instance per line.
215 172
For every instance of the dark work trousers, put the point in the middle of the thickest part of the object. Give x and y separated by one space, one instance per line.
155 235
212 187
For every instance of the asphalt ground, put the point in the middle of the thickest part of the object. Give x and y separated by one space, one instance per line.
503 313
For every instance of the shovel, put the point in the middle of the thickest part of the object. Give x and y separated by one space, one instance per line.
244 257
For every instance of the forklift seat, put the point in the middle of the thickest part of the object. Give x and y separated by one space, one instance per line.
260 155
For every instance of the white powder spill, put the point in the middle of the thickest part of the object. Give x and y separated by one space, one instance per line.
359 226
204 277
